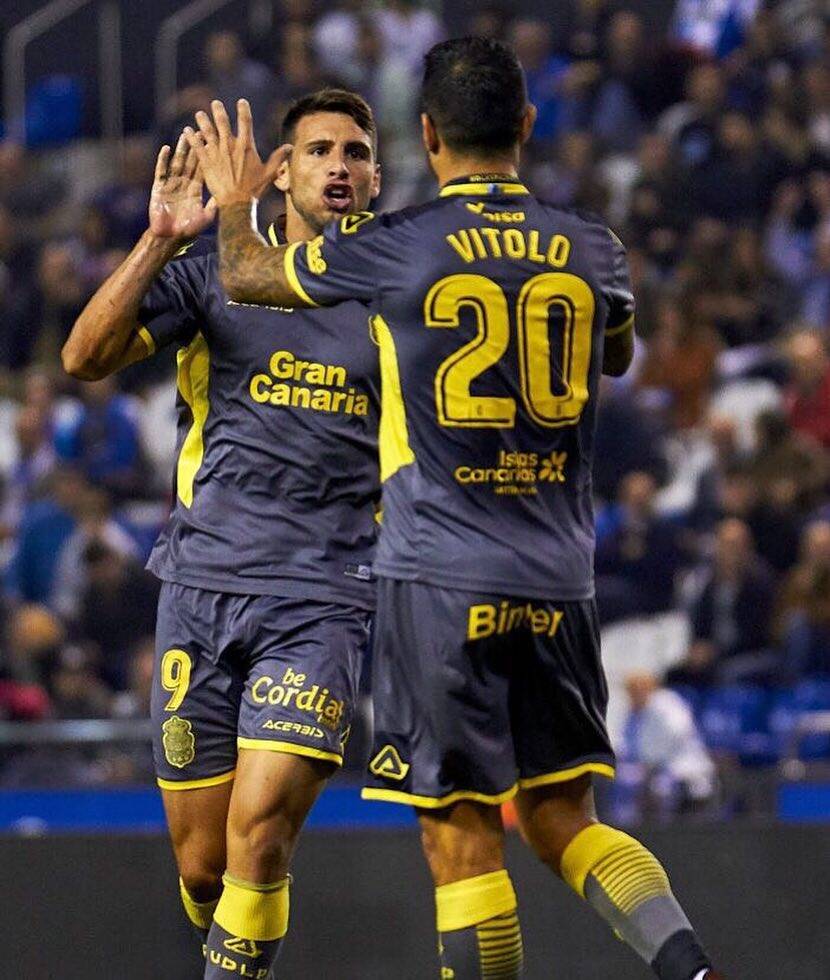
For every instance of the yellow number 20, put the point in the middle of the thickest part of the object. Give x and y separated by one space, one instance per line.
175 676
457 406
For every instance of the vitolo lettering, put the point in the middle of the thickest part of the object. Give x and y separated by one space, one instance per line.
295 383
488 619
292 690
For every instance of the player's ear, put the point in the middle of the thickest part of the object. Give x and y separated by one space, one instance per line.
528 122
376 182
429 135
283 182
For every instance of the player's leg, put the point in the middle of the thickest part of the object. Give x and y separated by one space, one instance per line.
194 709
559 706
272 795
303 673
478 926
620 878
196 819
442 744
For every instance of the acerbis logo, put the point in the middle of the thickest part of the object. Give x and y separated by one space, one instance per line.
245 947
388 764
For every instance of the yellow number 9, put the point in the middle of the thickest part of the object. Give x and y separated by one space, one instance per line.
175 676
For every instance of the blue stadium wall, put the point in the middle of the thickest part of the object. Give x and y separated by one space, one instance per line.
76 907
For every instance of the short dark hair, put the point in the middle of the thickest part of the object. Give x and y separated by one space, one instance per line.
330 100
475 93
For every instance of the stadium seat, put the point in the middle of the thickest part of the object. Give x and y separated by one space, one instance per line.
733 720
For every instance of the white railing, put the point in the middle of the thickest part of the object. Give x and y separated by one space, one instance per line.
44 20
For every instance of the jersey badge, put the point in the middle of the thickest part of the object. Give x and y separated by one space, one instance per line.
179 742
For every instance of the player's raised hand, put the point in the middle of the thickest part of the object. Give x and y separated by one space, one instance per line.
232 166
176 208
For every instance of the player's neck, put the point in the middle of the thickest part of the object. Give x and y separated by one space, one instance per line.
297 229
448 167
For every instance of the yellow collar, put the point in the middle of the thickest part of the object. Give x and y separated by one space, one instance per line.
479 188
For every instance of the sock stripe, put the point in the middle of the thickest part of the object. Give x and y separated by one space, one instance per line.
500 949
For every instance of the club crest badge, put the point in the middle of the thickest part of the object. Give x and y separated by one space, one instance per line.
179 742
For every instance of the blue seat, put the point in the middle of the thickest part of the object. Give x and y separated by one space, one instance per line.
733 719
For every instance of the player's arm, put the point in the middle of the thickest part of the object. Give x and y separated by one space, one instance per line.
618 351
108 335
251 270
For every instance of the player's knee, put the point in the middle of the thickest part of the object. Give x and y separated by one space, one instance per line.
453 857
549 842
262 843
202 881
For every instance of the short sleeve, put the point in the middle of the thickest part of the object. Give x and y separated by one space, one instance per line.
618 292
341 264
173 309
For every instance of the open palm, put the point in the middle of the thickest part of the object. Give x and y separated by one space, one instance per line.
176 208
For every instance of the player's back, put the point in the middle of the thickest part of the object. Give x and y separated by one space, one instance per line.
491 313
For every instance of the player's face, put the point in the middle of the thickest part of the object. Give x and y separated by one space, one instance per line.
332 170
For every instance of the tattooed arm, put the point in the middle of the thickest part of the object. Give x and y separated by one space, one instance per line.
251 270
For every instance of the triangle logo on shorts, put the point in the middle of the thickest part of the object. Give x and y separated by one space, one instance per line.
246 947
388 764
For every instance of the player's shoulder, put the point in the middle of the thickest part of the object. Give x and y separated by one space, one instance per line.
580 217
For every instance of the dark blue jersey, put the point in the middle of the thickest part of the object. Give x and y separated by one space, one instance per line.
276 486
491 310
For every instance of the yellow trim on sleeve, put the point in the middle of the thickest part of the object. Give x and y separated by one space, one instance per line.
436 802
482 189
470 902
272 745
291 273
178 784
564 775
393 433
622 328
193 367
147 337
272 235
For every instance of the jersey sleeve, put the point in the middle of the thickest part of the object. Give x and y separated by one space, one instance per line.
173 309
344 263
618 291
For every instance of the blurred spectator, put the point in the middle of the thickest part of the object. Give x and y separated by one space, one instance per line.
118 607
678 774
693 124
232 75
94 523
134 700
713 27
100 435
25 191
638 553
808 394
33 638
407 30
122 205
45 526
680 363
804 607
788 468
77 691
554 85
731 615
36 460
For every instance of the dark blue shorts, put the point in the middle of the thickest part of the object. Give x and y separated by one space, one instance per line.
476 696
257 672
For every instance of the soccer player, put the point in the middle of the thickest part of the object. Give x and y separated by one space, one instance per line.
266 558
495 314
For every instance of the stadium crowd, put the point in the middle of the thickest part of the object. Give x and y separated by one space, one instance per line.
708 152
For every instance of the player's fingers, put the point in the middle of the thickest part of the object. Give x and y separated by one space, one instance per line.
206 129
211 208
191 162
161 163
220 118
245 122
196 142
177 163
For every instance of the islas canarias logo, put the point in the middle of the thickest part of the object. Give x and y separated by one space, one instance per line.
292 382
515 473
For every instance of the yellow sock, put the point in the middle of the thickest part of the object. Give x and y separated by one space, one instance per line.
199 913
249 924
478 928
